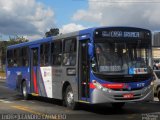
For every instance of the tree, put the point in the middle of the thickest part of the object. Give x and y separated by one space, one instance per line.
52 32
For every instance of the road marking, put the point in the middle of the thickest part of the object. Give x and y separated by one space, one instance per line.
33 112
26 109
3 86
5 101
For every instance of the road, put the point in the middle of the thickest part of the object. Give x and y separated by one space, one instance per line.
12 104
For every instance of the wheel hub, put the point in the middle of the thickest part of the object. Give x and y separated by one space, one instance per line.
70 97
24 90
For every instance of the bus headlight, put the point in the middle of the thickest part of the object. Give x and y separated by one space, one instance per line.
106 90
97 84
100 87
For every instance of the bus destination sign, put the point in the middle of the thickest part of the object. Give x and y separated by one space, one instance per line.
123 34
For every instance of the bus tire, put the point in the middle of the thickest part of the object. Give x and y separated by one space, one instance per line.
158 94
118 105
24 91
69 98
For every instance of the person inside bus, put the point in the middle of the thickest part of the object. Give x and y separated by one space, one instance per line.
155 67
99 54
123 59
15 63
66 60
72 59
69 59
101 58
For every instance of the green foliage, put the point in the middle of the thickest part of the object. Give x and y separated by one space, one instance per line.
52 32
16 40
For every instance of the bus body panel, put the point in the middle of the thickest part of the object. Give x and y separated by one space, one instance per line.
46 84
51 79
15 77
57 73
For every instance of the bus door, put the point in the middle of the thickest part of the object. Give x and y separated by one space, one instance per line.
34 69
83 70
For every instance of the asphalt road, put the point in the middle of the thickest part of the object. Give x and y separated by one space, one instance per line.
12 105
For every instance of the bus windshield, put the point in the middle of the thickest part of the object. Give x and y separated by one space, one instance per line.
120 58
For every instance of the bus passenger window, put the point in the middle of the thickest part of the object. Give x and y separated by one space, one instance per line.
35 56
15 63
10 58
44 54
69 49
66 60
56 52
16 59
24 55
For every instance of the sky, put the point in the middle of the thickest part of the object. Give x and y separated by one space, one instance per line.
32 18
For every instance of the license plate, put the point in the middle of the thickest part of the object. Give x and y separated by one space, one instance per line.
128 96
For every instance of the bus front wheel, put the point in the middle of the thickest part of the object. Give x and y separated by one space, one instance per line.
158 94
69 98
24 91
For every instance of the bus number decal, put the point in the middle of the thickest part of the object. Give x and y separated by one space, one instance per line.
140 84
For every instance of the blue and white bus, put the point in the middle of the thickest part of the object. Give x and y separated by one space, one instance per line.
95 65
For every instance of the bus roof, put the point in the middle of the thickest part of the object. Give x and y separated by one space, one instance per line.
29 43
77 33
61 36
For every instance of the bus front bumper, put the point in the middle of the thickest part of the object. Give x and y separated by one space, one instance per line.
144 94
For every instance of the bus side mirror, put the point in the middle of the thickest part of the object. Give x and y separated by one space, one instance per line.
90 50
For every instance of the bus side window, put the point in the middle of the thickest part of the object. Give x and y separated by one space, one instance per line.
56 52
69 49
24 56
10 58
18 57
44 54
15 59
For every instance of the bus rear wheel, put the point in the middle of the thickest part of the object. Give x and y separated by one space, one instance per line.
24 91
118 105
69 98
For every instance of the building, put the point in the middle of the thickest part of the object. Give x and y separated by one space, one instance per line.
156 50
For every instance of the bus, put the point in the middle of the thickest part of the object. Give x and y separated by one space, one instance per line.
95 66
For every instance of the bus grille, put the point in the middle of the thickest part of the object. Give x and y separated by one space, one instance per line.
132 89
124 79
